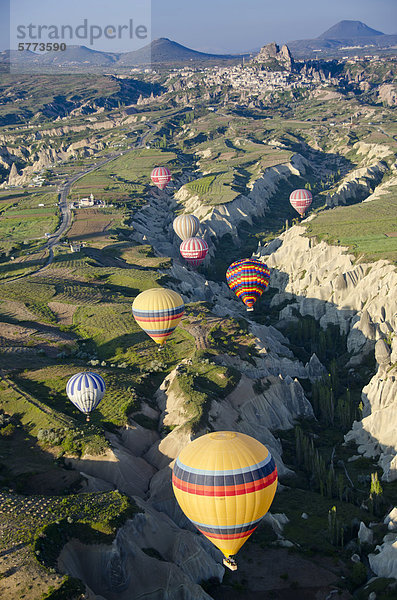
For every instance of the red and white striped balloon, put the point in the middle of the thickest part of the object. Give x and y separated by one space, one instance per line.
301 200
161 176
194 250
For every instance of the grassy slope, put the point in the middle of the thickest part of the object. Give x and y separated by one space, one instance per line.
361 227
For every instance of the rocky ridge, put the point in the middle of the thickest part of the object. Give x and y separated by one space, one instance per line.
225 218
325 282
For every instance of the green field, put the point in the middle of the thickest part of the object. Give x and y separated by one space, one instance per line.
362 227
123 179
23 222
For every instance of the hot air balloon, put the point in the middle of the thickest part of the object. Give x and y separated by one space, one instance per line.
248 279
161 176
225 482
86 390
194 250
301 200
186 226
158 311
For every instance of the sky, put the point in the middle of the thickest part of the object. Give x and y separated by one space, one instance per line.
220 26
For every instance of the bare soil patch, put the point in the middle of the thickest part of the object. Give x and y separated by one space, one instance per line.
63 312
21 577
90 224
17 310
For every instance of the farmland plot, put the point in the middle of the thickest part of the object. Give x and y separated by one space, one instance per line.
91 224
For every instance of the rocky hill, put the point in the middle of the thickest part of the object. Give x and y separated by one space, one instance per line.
271 57
344 38
347 30
165 51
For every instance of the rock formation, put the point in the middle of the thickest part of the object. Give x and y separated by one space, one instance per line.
357 185
272 52
224 218
325 282
387 93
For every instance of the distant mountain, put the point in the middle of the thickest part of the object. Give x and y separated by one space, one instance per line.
344 38
78 55
165 51
159 52
348 29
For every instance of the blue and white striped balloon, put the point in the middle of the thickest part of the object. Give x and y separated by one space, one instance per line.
85 391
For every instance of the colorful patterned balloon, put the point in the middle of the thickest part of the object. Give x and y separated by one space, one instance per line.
248 279
186 226
161 176
301 200
158 312
86 390
225 482
194 250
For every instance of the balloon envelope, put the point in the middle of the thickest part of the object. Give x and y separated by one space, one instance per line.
301 200
86 390
248 279
194 250
225 483
158 312
161 176
186 226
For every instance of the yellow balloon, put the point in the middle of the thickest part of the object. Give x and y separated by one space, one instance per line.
158 311
225 483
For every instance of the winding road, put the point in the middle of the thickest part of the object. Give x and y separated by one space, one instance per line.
64 206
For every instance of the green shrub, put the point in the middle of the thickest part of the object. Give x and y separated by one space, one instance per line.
8 430
70 589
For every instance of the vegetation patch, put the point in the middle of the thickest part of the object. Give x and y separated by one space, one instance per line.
97 522
201 382
364 228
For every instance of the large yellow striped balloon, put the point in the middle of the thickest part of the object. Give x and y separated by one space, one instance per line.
225 483
158 311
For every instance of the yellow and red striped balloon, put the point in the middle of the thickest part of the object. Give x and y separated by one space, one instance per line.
225 483
158 311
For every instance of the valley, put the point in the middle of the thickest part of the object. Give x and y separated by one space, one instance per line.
311 373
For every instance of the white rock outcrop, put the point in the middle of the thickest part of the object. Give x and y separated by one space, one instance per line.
325 282
384 562
224 218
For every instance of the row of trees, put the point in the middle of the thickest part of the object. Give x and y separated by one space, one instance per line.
326 344
329 483
332 410
322 478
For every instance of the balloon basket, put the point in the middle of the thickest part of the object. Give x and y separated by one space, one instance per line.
87 418
230 563
250 309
